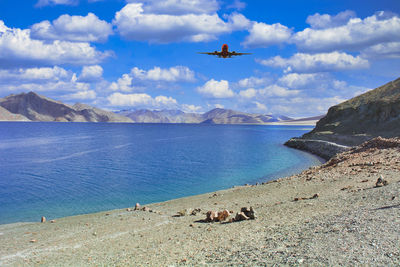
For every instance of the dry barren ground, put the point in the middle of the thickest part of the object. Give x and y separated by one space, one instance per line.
351 222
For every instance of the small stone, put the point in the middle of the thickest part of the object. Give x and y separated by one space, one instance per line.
195 211
223 215
137 206
52 221
182 213
211 215
94 234
33 241
249 212
145 209
43 219
315 196
381 182
240 216
128 209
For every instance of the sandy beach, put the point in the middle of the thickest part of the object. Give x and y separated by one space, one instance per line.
332 214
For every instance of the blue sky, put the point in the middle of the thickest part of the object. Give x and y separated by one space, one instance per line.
131 54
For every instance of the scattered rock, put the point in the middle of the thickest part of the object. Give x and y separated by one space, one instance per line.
145 209
223 215
381 182
315 196
52 221
33 241
182 213
211 216
128 209
43 219
137 206
195 211
249 212
240 216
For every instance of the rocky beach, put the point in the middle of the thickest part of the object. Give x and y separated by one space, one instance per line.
344 212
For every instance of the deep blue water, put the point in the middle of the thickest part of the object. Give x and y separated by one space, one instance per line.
61 169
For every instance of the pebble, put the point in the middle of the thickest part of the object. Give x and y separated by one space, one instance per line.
137 206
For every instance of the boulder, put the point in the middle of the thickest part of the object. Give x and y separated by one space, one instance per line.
223 215
137 206
43 219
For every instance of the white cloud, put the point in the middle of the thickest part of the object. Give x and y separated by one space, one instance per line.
172 74
40 75
356 34
18 49
216 89
248 93
324 21
237 4
81 95
42 3
191 108
91 73
301 62
123 84
73 28
254 82
277 91
296 80
133 23
178 7
142 101
379 51
263 35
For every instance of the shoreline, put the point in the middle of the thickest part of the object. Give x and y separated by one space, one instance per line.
332 214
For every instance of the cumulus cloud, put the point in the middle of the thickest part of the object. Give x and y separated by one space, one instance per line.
237 4
322 62
248 93
34 75
254 81
356 34
178 7
318 21
73 28
42 3
142 101
91 73
133 23
172 74
139 79
379 51
81 95
263 35
216 89
17 49
296 80
191 108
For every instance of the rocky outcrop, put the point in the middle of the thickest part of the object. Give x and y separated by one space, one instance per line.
375 113
324 149
34 107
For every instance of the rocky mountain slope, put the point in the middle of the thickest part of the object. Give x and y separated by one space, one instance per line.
35 107
162 116
374 113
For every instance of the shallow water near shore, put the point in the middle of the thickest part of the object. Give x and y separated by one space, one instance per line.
63 169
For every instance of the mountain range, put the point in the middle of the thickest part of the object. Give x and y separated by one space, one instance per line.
214 116
33 107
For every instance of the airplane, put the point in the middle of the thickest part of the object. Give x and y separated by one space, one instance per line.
224 53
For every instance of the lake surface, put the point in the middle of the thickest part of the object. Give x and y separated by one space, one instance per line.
61 169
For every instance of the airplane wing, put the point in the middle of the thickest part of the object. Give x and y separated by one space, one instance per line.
210 53
238 54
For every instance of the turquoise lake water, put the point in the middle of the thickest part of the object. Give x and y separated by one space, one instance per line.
62 169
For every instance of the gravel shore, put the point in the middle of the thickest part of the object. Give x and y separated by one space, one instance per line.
332 214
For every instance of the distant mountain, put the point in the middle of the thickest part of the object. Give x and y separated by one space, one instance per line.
34 107
374 113
214 116
162 116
